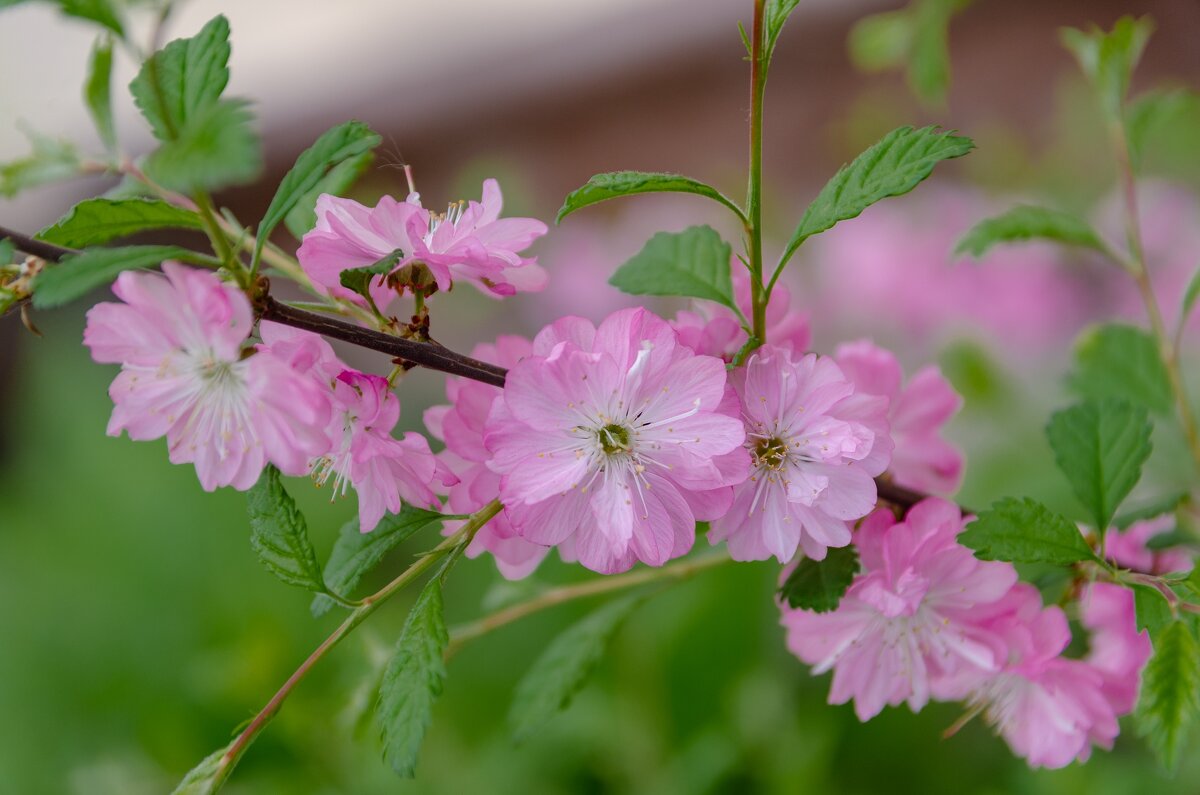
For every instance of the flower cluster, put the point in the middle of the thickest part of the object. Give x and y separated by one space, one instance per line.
924 619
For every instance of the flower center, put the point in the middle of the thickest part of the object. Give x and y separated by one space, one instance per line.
613 439
770 453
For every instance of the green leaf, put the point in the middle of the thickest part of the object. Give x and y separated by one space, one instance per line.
692 263
102 12
1025 531
1170 695
97 92
96 221
628 183
76 276
303 217
1152 609
881 41
929 61
1118 361
218 148
413 680
892 167
279 533
205 778
1150 510
183 79
1170 539
1189 297
359 279
355 553
564 667
774 15
50 161
334 147
1108 59
819 585
1151 112
7 250
1100 447
1025 222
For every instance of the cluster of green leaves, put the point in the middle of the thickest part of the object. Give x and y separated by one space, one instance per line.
915 39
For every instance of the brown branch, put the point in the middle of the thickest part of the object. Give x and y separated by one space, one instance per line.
424 354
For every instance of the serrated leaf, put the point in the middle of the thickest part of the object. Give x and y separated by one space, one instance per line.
183 79
692 263
1170 694
602 187
359 279
303 217
1025 531
1118 361
279 533
334 147
50 160
1100 447
1152 609
96 221
217 148
78 275
97 92
102 12
564 667
1150 510
774 15
413 680
205 778
1149 113
819 585
892 167
356 553
1025 223
1109 58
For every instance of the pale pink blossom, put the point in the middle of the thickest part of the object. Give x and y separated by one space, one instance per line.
1115 647
922 459
360 451
460 425
470 241
179 338
1049 709
1128 548
615 440
816 446
714 330
907 630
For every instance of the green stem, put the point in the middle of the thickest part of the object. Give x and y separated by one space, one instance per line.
758 81
216 235
1167 348
366 607
566 593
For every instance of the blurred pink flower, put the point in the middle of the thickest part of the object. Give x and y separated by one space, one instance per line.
1128 548
614 437
460 425
922 459
179 339
1116 649
816 447
908 627
714 330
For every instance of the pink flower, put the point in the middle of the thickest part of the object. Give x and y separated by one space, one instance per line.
1128 548
714 330
1116 649
469 242
816 447
360 450
616 439
1048 708
907 628
476 244
179 340
461 426
922 460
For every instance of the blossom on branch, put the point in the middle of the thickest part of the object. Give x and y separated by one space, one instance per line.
714 330
179 337
615 440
